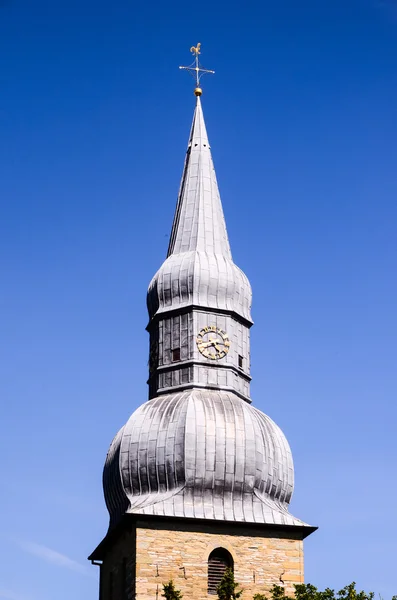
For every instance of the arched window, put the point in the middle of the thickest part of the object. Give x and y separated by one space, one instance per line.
218 561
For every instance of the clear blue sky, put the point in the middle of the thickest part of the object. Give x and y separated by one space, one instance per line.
94 121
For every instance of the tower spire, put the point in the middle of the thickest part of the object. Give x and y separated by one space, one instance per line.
199 223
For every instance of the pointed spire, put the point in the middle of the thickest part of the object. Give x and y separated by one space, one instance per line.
199 223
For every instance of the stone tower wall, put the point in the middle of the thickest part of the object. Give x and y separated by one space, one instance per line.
142 560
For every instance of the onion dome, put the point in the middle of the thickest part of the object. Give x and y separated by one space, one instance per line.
200 279
200 454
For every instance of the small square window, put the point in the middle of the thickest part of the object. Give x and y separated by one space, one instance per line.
240 361
176 354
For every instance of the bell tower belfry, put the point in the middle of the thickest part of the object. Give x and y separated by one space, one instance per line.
198 479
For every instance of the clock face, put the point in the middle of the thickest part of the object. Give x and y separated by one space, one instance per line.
213 342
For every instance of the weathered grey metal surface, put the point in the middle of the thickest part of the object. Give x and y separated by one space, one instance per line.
115 498
198 285
199 269
202 279
198 448
199 223
203 454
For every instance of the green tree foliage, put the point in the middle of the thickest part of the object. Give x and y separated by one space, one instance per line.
307 591
170 593
227 589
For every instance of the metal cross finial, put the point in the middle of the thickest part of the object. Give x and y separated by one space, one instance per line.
195 68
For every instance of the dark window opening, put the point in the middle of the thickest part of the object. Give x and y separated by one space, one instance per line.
240 361
218 561
124 578
176 354
111 585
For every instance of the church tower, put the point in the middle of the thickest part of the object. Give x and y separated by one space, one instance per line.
198 479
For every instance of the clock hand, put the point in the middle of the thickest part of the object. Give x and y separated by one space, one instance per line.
206 344
213 343
216 342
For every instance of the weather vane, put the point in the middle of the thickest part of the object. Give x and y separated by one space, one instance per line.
195 69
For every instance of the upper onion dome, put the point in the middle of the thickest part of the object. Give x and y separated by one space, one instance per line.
203 454
201 279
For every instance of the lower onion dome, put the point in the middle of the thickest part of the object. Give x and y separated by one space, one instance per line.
202 454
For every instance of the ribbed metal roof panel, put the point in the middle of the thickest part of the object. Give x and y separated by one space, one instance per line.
203 454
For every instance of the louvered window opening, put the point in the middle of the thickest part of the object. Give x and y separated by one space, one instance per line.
218 562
